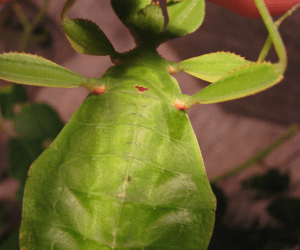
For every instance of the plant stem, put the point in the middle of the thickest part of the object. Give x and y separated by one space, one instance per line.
18 36
29 27
21 15
41 13
258 157
274 34
265 50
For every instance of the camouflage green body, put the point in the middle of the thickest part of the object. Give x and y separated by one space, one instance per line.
126 171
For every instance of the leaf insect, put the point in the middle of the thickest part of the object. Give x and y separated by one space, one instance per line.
126 171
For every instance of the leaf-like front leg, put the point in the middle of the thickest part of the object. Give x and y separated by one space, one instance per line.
250 78
37 71
85 36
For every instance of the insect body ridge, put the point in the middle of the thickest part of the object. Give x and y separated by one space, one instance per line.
124 173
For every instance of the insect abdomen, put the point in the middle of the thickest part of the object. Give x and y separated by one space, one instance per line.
124 173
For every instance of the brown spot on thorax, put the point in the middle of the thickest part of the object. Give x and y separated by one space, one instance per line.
141 89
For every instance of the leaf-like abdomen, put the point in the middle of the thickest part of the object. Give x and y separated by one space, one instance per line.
125 173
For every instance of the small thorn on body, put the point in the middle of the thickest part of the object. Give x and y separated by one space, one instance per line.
181 105
141 89
98 90
172 70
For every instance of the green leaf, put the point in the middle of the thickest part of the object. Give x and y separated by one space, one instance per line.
34 70
21 153
37 121
244 81
286 210
185 17
12 243
37 124
212 67
8 99
86 37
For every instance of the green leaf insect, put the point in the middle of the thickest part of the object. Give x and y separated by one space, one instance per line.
126 171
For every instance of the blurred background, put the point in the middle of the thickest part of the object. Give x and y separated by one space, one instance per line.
228 133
